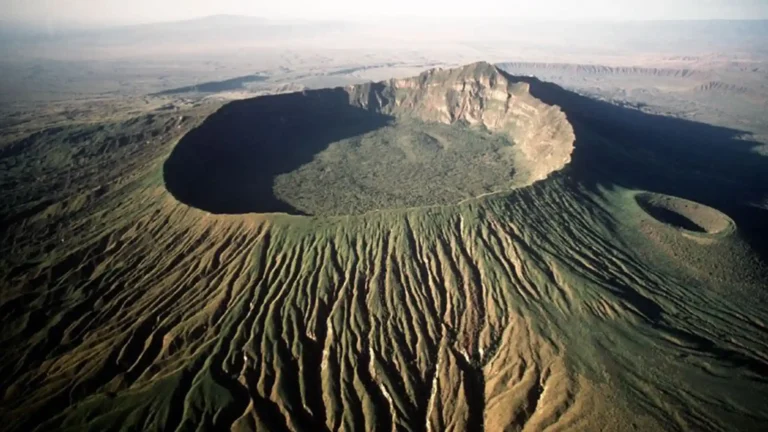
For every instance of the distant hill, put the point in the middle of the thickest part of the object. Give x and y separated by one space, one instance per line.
653 35
212 28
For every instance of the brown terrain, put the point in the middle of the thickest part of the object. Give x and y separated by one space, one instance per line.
470 248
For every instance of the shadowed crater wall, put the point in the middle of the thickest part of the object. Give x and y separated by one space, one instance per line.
228 164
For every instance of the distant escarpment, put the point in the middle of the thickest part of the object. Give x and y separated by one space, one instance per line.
436 139
603 70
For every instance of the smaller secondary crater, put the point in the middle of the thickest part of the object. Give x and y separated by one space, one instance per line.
684 214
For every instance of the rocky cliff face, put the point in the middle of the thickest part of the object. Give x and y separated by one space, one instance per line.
482 96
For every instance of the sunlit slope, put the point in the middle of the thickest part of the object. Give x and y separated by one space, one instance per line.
521 311
564 305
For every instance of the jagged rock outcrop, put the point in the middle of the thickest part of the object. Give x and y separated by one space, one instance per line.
478 94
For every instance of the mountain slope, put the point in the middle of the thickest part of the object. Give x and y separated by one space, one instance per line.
564 305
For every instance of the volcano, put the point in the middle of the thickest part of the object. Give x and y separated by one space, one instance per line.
461 250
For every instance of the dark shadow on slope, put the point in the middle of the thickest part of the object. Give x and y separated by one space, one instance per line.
618 146
237 83
228 164
672 218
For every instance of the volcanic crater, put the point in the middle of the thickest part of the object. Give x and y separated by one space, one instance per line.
684 214
436 139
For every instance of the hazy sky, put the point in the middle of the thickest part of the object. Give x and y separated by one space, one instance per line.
135 11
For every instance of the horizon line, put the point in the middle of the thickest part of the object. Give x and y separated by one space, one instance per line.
116 24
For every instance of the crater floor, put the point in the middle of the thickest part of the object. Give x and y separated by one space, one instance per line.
405 164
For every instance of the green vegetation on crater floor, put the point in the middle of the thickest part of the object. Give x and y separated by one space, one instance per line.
405 164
